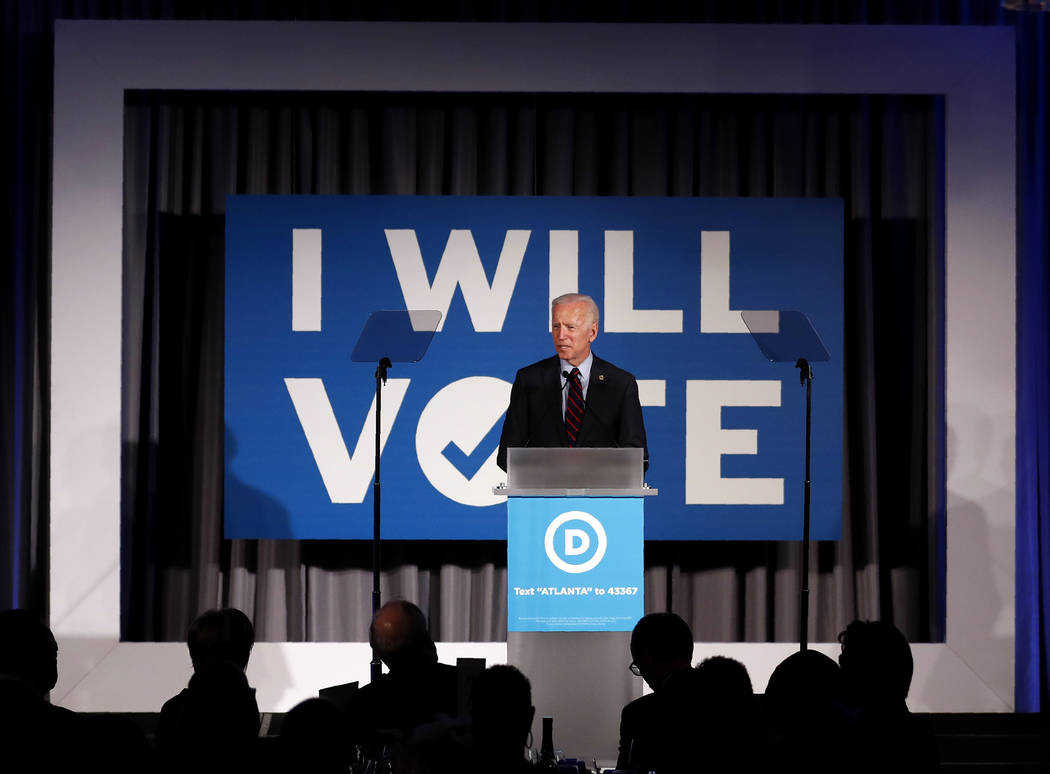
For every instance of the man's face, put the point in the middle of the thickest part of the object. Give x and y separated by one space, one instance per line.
645 666
572 331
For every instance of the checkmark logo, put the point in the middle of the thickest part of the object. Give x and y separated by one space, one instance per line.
469 461
457 436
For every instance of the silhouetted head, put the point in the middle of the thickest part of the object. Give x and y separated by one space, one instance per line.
501 709
221 635
724 678
876 664
722 690
804 683
399 636
28 650
661 643
710 719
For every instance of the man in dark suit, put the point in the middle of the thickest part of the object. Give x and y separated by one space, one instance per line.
544 408
661 653
416 690
42 735
217 712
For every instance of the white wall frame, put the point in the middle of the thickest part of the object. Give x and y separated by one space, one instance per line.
96 61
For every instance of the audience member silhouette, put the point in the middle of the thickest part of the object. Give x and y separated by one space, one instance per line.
221 635
32 729
214 721
416 690
489 740
313 738
803 710
819 715
724 731
501 715
725 684
28 651
876 665
661 652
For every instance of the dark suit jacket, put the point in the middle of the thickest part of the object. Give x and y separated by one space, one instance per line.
640 725
612 417
657 727
401 700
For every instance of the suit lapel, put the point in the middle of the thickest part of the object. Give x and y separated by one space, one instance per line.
596 394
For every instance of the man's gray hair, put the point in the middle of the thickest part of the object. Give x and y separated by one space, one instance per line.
575 298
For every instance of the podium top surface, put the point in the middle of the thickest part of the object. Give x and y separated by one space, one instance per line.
508 491
587 472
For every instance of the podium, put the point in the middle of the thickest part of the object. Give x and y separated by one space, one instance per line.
575 541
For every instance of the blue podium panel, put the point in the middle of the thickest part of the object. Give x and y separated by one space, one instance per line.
574 564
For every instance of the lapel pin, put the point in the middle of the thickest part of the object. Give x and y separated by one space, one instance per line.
601 377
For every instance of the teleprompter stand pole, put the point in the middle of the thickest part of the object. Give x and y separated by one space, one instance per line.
376 666
805 376
389 336
790 337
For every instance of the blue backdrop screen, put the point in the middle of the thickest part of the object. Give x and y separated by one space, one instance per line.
671 276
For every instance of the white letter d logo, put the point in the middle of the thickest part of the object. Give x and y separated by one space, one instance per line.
577 542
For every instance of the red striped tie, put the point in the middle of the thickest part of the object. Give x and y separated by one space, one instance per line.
574 406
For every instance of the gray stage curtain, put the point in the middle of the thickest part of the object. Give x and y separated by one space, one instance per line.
186 151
